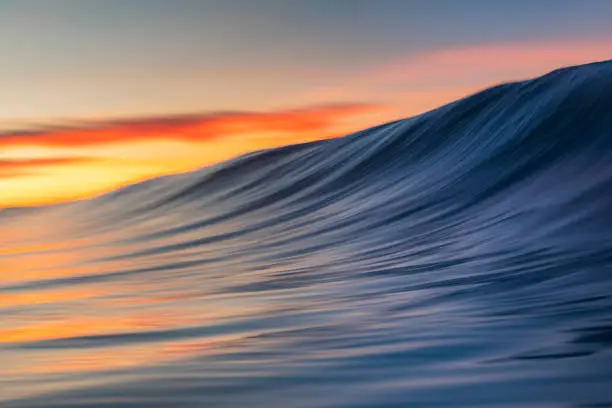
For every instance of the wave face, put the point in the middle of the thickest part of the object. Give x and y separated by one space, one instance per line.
461 258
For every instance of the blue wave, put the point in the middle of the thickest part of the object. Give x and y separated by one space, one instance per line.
459 258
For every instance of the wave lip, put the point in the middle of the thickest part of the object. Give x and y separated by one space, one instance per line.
456 258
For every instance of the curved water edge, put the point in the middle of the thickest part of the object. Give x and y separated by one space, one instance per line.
459 258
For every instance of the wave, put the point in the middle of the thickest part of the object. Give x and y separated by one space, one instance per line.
457 258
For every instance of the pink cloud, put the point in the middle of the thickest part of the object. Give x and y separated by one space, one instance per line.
481 64
417 83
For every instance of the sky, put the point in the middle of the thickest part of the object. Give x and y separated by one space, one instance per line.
98 94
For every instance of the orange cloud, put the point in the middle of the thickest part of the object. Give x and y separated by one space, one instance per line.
205 127
65 163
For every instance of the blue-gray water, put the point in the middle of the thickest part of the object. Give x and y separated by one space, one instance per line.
461 258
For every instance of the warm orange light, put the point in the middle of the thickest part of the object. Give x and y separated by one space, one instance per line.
72 164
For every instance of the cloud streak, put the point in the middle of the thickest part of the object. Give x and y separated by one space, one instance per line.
198 128
23 167
486 62
420 82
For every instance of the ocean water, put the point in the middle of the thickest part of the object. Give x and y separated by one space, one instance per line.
461 258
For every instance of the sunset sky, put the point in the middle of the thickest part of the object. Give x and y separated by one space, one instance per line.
96 94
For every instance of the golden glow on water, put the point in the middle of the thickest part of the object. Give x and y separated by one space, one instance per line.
123 358
46 296
46 299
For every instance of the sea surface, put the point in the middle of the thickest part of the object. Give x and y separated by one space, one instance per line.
460 258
